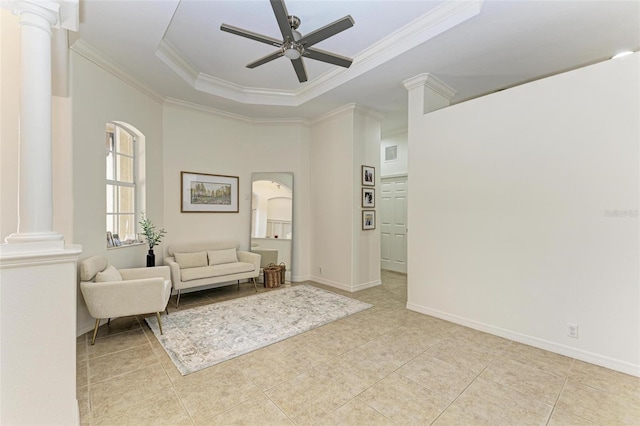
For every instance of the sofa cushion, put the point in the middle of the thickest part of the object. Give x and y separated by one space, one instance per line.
108 275
220 257
215 271
191 260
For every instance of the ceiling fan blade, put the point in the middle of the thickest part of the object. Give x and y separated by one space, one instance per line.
253 36
331 58
301 72
268 58
327 31
282 16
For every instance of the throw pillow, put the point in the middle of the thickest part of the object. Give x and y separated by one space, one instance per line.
108 275
219 257
191 260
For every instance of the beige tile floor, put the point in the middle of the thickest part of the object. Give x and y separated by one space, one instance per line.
383 366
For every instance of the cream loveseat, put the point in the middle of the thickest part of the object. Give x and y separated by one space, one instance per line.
210 263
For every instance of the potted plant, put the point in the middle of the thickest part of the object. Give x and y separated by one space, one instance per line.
152 236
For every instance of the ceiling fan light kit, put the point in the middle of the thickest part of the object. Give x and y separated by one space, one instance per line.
293 45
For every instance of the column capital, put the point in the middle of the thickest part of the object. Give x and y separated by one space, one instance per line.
432 82
58 13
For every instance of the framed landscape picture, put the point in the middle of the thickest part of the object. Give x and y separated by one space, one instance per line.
368 198
368 176
205 193
368 219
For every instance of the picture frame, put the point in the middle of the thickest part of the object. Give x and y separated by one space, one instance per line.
368 176
208 193
368 198
368 220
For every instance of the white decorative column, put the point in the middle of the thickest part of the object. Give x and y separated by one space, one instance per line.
38 274
427 93
35 203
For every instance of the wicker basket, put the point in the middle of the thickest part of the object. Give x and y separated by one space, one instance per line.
283 270
272 275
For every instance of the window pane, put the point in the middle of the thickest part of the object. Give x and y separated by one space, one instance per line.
125 142
110 223
111 137
126 227
111 199
127 200
110 166
125 169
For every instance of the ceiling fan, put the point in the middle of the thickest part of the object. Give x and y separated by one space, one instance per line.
293 45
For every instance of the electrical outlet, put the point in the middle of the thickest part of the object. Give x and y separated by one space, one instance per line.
572 330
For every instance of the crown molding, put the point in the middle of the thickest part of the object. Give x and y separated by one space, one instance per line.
394 132
87 51
247 95
178 64
238 117
201 108
353 108
440 19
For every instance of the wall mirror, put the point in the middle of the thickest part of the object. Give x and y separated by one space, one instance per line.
272 218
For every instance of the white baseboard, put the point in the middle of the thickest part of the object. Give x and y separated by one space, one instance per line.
586 356
364 286
300 278
346 287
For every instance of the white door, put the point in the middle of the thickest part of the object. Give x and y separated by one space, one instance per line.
393 209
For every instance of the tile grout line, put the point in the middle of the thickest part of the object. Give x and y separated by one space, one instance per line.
471 382
166 373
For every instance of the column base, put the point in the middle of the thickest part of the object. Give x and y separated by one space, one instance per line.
33 243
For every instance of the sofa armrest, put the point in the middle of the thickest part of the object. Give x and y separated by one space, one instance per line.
175 271
122 298
139 273
245 256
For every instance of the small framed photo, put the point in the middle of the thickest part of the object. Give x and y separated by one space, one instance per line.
368 176
368 219
205 193
368 198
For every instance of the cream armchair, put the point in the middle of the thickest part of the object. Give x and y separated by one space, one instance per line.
109 292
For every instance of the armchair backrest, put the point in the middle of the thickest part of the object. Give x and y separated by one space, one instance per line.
90 266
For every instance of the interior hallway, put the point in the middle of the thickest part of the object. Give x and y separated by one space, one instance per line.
382 366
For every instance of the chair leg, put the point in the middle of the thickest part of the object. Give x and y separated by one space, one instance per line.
159 322
95 331
254 284
178 299
238 285
109 322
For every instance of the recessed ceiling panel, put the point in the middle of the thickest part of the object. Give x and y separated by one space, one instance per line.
195 33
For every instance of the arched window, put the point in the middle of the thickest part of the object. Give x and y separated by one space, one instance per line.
121 177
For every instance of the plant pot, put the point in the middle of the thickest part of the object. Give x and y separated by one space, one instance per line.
151 259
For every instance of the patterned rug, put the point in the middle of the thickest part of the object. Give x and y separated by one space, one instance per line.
207 335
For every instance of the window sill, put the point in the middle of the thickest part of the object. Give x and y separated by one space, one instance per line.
126 245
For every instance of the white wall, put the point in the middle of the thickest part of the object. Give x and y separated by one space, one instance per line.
512 224
99 97
399 166
366 243
342 255
332 202
201 141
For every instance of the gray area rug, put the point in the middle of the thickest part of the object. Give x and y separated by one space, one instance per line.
207 335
